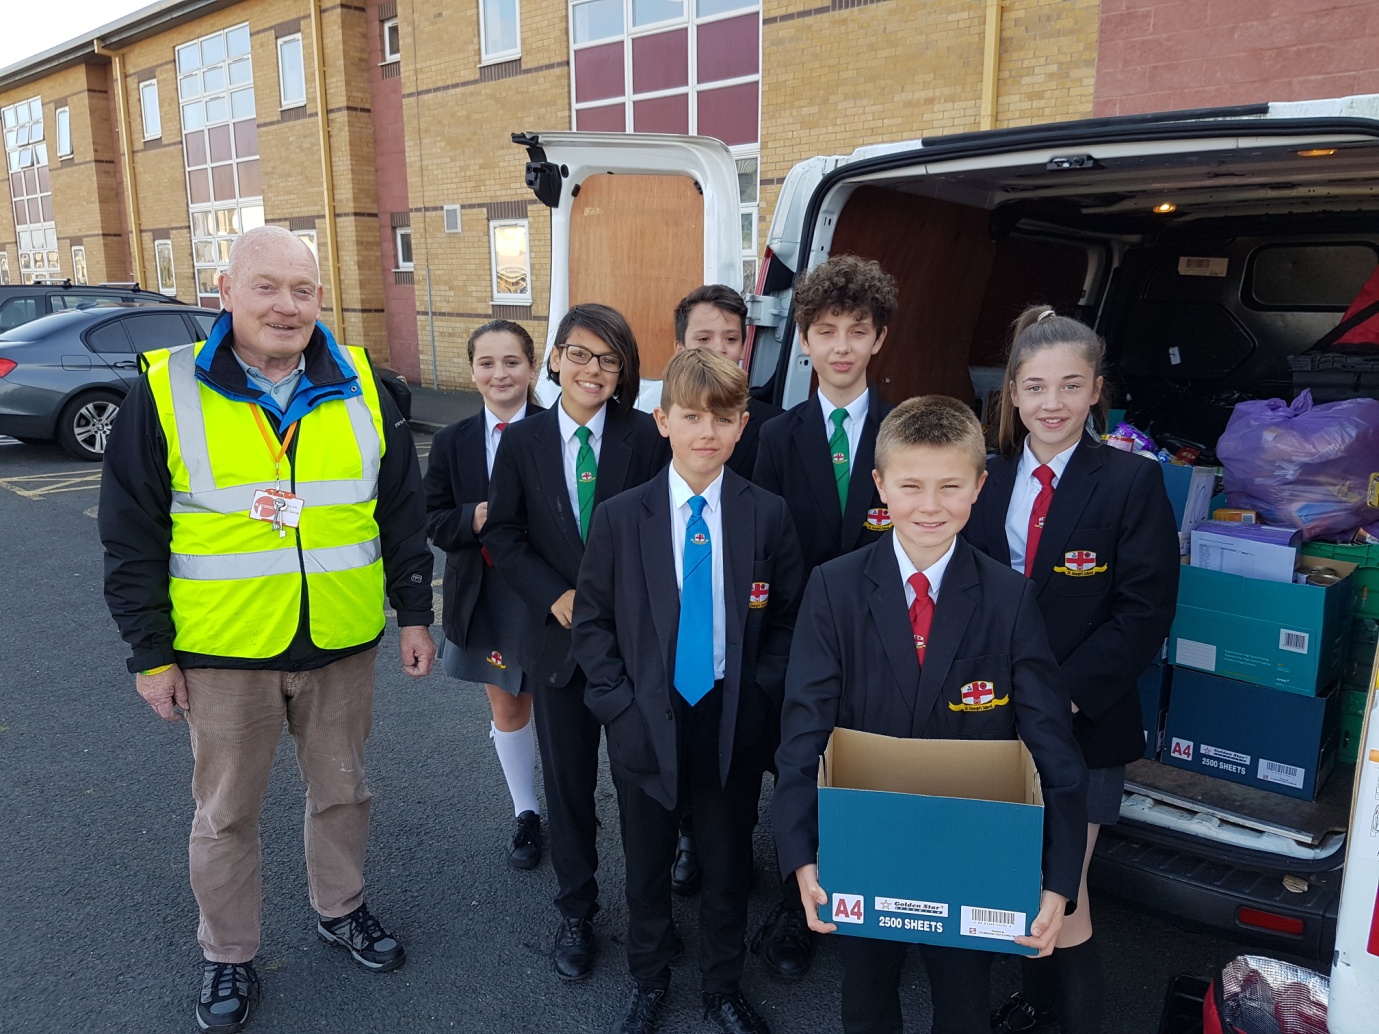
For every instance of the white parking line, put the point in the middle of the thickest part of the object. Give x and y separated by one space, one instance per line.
34 486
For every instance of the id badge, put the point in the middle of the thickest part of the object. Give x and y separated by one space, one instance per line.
281 509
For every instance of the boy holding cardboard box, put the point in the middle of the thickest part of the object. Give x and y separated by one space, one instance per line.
919 635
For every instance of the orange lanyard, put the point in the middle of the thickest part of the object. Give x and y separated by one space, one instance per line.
276 453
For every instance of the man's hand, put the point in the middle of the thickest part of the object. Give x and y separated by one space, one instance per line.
564 608
480 517
1043 932
163 692
812 895
418 650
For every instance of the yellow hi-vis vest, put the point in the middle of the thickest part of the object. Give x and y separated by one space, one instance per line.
236 586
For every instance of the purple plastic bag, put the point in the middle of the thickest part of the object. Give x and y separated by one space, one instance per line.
1303 466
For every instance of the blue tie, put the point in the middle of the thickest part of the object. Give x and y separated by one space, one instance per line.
694 643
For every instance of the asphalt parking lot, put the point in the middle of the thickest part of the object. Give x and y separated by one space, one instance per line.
100 921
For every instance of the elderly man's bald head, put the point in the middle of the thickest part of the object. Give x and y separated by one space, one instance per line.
267 242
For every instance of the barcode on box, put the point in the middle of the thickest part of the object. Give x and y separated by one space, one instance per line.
1288 775
994 923
1293 642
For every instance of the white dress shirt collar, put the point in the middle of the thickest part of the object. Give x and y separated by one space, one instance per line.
568 425
934 572
1030 462
491 420
681 493
856 409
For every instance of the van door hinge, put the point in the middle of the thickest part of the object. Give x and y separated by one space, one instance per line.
765 310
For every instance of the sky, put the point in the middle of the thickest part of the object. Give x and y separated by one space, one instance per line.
31 28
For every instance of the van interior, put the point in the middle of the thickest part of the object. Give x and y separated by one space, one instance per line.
1205 270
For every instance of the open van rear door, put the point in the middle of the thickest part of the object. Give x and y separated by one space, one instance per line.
637 222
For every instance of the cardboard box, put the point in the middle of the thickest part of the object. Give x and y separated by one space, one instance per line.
1251 550
1190 493
1154 694
930 841
1275 634
1281 742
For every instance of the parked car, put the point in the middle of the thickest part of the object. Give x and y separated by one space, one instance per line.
64 376
1208 247
21 303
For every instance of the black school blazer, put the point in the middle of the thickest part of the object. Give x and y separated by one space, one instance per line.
793 461
531 532
456 483
853 666
744 457
627 620
1107 626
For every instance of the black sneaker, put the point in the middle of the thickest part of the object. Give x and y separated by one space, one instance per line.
371 946
525 850
226 988
643 1013
1016 1016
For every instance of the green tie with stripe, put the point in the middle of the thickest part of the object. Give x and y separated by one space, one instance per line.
586 476
838 449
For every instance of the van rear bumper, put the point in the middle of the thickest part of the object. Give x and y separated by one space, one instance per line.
1198 892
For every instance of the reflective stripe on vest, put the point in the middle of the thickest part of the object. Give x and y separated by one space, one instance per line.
235 584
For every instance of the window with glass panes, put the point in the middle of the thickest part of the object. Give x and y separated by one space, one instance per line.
220 143
31 193
675 66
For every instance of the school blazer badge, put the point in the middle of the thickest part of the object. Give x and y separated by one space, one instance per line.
1079 563
760 594
979 696
878 519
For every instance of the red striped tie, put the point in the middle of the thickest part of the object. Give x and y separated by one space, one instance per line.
1037 513
921 612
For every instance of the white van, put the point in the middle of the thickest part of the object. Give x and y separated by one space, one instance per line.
1208 247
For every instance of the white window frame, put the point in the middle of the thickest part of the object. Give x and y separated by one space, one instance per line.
486 58
80 274
398 233
453 210
284 102
508 299
162 257
151 111
389 56
62 121
308 237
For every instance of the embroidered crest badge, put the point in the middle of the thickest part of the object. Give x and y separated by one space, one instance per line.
979 696
761 592
1079 563
878 519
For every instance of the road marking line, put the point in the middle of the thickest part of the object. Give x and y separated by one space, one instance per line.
34 486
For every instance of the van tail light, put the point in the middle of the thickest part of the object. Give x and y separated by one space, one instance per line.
1262 920
6 365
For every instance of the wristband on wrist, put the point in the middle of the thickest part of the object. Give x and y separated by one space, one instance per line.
156 671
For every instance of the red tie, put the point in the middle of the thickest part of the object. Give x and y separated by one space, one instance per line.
1044 475
498 429
921 612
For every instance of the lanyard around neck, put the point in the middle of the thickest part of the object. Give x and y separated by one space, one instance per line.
279 452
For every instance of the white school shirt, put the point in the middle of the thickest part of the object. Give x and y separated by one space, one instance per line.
567 434
1022 496
934 572
680 495
852 423
492 436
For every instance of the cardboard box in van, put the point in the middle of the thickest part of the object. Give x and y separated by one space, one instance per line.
930 841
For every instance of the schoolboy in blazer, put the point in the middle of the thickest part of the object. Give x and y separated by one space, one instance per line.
887 639
635 635
535 533
818 457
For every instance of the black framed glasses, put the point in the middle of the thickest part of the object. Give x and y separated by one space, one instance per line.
580 356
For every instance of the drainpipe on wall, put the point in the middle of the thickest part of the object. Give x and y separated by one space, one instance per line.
322 124
131 189
991 63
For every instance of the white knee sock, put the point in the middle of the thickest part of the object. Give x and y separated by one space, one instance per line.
517 755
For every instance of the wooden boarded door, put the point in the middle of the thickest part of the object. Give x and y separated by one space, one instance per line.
637 244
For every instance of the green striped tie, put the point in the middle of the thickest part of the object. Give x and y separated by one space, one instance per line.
586 476
838 449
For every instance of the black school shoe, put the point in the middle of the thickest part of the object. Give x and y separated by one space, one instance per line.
685 873
643 1013
575 947
525 850
785 944
363 936
226 990
1016 1016
733 1014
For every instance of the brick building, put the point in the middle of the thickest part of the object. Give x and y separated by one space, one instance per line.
140 150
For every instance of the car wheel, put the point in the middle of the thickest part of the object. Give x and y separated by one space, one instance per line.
84 426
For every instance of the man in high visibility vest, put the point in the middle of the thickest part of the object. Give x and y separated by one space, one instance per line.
260 498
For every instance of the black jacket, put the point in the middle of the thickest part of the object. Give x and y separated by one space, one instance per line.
853 666
744 458
793 462
1104 627
534 537
456 483
627 620
136 525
